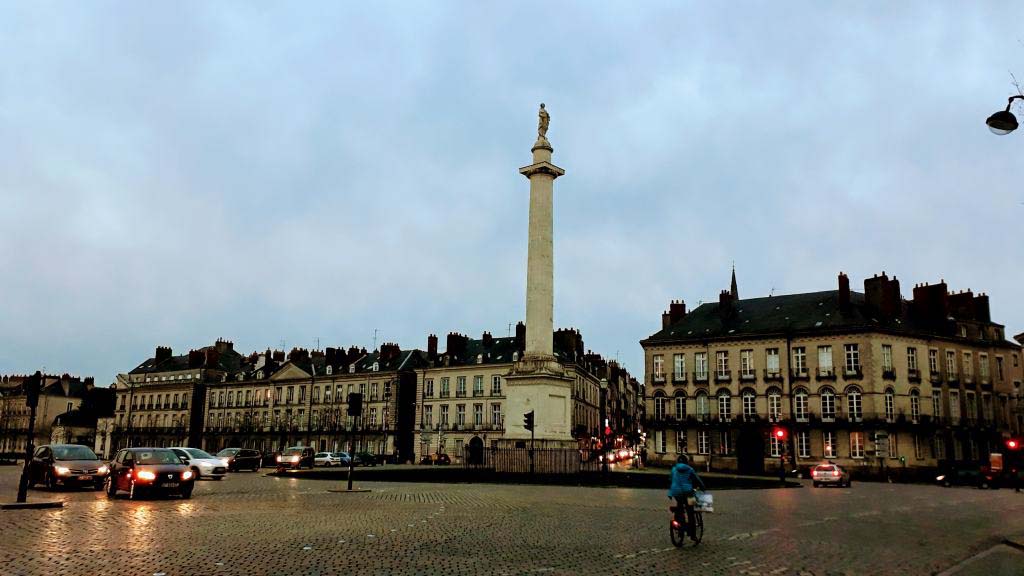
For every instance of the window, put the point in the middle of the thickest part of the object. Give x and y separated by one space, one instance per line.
890 405
983 367
460 387
703 406
825 361
703 445
724 443
478 414
912 360
774 405
853 404
460 414
444 387
853 358
937 404
428 416
700 360
724 406
428 388
659 407
681 442
680 401
986 407
933 361
915 405
749 404
828 405
444 415
496 415
746 363
856 444
302 394
288 398
918 447
772 361
800 405
327 394
220 398
478 385
495 385
722 363
1016 361
679 366
951 365
775 445
659 441
999 368
799 361
803 444
968 367
972 406
954 405
659 367
886 358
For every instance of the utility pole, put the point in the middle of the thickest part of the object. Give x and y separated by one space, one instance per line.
32 386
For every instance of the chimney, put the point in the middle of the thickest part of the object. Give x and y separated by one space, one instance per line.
665 320
331 356
210 357
488 339
432 345
520 335
389 351
224 346
89 382
961 305
882 296
277 356
844 292
725 303
195 358
456 344
162 353
298 354
981 309
676 311
931 303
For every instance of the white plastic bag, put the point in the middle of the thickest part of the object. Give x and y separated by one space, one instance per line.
705 502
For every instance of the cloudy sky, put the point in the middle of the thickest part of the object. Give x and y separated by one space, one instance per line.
298 172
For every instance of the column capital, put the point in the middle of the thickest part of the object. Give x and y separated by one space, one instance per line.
543 167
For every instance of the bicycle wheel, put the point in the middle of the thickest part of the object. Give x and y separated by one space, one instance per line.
698 527
677 534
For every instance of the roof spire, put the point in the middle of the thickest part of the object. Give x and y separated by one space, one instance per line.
732 288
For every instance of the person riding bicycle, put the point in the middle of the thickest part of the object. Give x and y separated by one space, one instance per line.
684 480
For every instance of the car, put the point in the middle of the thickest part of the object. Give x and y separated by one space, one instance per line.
56 465
343 458
968 476
149 471
203 464
241 459
295 458
366 459
436 460
326 459
830 473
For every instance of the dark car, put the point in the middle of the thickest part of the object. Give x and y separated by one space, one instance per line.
366 459
241 459
436 459
66 465
150 471
295 458
968 476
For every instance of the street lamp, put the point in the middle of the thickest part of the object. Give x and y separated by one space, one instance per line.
604 425
1003 122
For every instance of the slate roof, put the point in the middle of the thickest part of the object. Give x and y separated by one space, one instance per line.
807 313
228 361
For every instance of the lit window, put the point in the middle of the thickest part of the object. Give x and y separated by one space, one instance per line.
856 444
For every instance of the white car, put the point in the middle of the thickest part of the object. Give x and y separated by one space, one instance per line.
203 464
326 459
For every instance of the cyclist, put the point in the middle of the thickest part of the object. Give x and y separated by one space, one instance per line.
684 480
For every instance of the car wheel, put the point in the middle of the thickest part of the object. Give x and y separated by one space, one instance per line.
111 487
947 483
195 473
256 468
187 493
217 477
817 484
49 482
98 486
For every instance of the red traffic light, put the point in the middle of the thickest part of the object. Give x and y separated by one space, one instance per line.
780 433
1012 444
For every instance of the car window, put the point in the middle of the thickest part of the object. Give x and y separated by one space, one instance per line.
159 456
197 453
227 452
73 453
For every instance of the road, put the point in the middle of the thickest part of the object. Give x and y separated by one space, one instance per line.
251 523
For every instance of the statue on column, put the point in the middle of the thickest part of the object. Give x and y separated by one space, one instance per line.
542 124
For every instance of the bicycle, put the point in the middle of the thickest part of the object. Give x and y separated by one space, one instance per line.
677 526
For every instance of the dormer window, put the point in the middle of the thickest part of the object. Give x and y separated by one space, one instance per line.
376 366
479 358
515 356
259 375
352 369
330 370
241 376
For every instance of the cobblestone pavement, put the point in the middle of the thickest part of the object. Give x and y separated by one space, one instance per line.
254 524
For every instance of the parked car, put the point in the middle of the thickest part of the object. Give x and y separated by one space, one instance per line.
295 458
66 465
326 459
436 460
366 459
241 459
151 471
202 463
832 474
968 476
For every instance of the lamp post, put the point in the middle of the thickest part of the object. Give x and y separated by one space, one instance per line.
604 425
1003 122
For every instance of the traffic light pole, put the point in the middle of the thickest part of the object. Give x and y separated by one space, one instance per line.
531 451
32 389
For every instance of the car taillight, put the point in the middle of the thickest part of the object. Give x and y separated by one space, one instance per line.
675 523
146 475
835 473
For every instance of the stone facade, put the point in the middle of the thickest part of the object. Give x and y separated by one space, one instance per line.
58 395
866 380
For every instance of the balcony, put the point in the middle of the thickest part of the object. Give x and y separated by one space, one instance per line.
935 377
658 378
952 378
460 393
853 373
800 375
478 393
723 376
679 377
913 374
748 376
888 374
826 374
444 394
699 377
772 375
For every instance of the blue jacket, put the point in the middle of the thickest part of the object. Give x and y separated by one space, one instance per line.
683 480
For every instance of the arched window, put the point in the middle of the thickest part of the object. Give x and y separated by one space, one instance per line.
853 405
703 406
749 404
774 404
890 405
724 406
828 404
915 405
680 407
659 406
800 405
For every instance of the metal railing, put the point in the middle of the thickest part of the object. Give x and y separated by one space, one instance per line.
544 460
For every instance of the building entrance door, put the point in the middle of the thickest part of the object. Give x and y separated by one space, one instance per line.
476 451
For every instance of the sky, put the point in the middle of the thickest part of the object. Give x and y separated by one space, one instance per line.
341 174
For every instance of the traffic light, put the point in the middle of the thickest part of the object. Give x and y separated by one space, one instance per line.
779 433
32 386
528 420
355 404
1012 444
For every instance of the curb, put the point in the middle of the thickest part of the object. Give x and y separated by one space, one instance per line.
1015 541
31 505
352 491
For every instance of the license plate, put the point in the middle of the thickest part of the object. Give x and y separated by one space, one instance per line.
170 484
86 477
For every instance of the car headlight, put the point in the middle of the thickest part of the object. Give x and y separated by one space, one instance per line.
278 458
146 475
61 471
103 470
225 461
295 458
940 478
187 474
